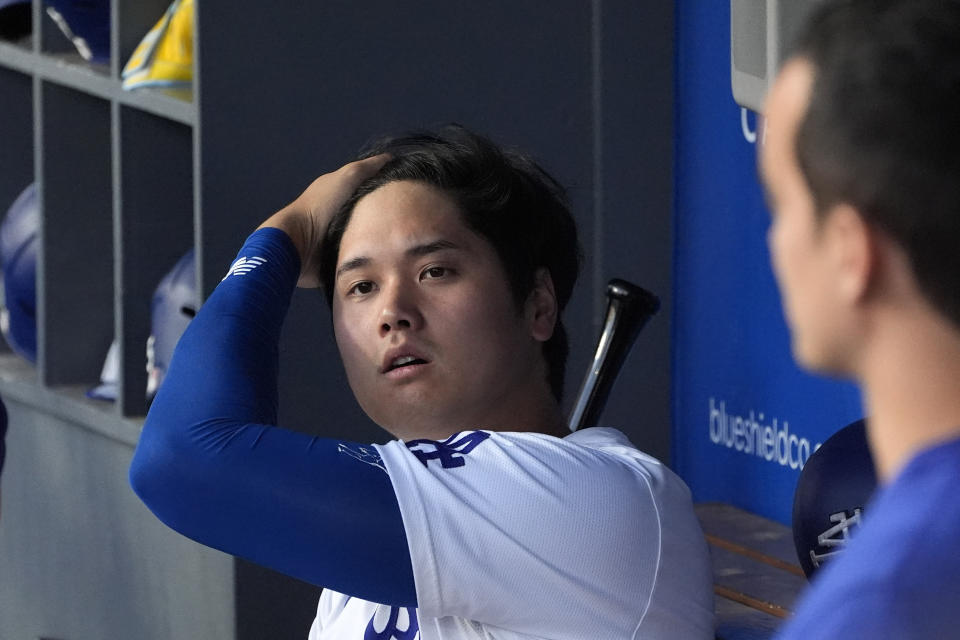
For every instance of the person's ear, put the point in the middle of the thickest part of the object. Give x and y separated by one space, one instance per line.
853 252
541 306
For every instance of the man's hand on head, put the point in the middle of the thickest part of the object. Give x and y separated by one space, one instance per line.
305 219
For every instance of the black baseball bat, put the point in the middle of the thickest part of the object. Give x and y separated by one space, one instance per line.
629 307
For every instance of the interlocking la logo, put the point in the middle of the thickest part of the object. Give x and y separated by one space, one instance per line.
393 623
836 537
450 452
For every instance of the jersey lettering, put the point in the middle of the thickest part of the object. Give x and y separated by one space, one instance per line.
393 623
450 452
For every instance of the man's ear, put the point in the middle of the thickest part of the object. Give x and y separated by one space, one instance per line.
853 252
541 307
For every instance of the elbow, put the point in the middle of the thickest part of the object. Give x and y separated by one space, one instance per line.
145 472
153 474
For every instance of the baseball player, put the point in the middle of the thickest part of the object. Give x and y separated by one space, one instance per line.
861 161
447 263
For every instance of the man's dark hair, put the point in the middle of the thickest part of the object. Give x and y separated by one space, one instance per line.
882 131
503 195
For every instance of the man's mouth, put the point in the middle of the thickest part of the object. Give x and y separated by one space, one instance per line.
404 361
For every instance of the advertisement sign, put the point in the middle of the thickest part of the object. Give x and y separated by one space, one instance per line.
746 417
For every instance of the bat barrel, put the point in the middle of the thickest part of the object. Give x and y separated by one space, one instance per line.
629 307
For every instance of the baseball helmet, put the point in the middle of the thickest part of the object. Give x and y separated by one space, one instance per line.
18 255
836 483
174 304
16 17
86 23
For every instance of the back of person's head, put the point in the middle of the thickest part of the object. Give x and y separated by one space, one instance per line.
503 195
882 130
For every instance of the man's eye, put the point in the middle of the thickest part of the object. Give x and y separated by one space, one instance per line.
360 288
434 272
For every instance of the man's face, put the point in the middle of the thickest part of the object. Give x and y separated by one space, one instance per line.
797 237
431 340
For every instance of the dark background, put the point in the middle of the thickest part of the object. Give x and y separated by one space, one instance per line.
586 87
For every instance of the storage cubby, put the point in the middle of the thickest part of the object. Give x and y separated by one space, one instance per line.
75 262
154 228
16 135
114 172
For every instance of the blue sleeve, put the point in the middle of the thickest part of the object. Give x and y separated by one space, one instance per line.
210 465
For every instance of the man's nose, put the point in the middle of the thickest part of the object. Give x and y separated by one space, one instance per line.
400 310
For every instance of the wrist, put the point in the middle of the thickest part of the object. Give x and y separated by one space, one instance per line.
296 225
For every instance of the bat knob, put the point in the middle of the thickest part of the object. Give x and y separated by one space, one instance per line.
635 296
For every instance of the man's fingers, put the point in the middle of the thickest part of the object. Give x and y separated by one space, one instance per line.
328 192
356 172
372 164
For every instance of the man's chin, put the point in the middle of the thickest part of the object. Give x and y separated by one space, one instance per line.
821 362
415 422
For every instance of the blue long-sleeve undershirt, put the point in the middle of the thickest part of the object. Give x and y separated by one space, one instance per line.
211 465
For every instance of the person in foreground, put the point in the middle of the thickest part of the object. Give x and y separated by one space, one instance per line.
862 164
447 263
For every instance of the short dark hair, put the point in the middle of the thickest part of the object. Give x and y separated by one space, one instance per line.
503 195
881 132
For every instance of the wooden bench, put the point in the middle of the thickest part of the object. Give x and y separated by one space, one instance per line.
757 579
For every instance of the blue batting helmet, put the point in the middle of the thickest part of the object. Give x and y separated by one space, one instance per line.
15 19
18 255
828 505
175 302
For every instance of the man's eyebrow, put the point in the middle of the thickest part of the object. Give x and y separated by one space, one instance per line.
353 263
430 247
415 251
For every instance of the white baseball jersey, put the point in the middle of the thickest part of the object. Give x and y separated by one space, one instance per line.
516 536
